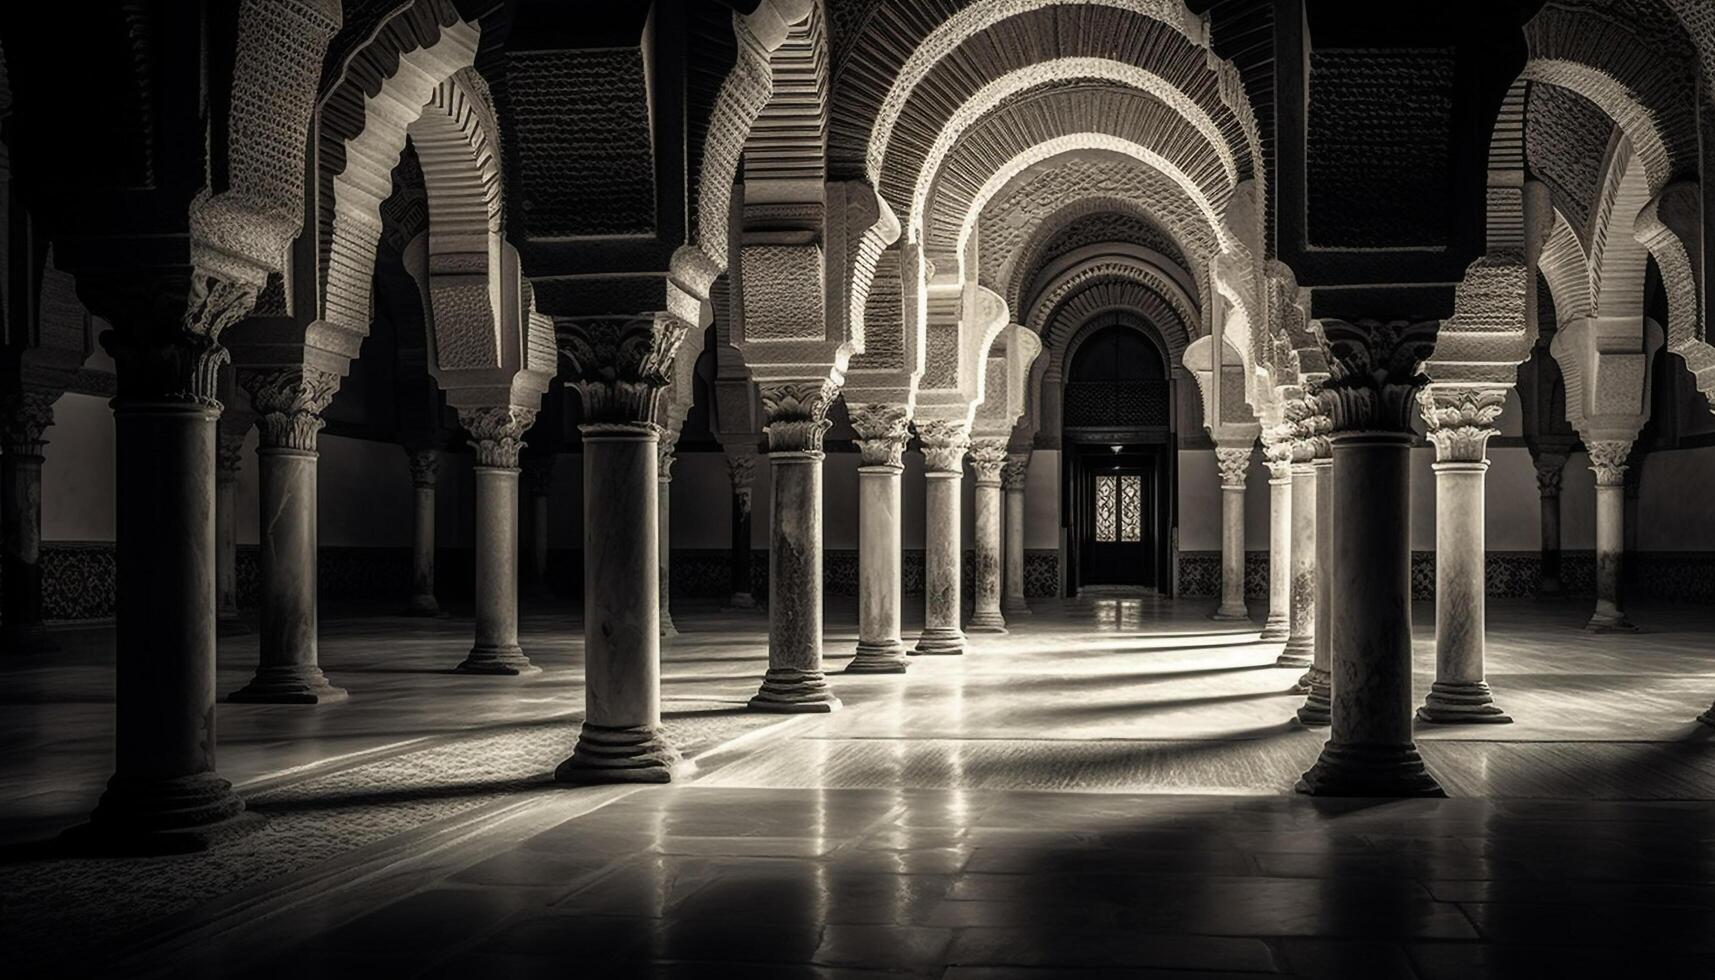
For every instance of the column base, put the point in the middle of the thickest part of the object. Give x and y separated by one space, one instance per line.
878 659
940 641
295 684
1276 628
787 690
1369 771
668 629
1300 651
1318 707
1469 703
986 621
1231 614
169 816
1014 606
508 661
619 755
423 605
31 638
1609 623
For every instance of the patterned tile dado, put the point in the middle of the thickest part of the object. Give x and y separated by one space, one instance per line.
1510 574
705 573
78 580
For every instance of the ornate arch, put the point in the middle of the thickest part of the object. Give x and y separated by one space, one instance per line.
1109 294
1104 264
1566 269
1010 258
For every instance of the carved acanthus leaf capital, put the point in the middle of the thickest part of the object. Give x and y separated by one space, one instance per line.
1307 427
497 434
1549 469
25 415
425 466
987 458
1461 420
741 467
289 404
796 414
1374 374
620 366
1234 462
1608 460
882 432
1016 471
945 442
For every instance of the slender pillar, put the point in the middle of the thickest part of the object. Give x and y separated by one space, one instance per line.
25 419
797 420
1549 467
1461 420
944 445
1369 398
664 534
229 456
539 489
741 466
288 404
1608 462
1278 626
425 465
882 432
1318 681
987 458
1233 461
1012 480
165 794
497 436
1300 646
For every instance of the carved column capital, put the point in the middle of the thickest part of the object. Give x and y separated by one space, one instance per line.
289 404
1374 374
539 475
987 458
1461 420
945 442
1549 469
882 432
165 340
620 366
665 457
1234 462
1608 460
1016 471
741 468
25 415
425 466
796 413
497 434
1306 430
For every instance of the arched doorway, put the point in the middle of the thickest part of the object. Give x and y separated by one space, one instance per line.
1118 457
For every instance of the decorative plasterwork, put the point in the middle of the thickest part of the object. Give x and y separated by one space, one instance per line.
1670 226
972 318
1110 295
1006 384
620 366
1226 415
1617 258
1566 269
1102 266
1375 372
788 140
1605 363
1017 238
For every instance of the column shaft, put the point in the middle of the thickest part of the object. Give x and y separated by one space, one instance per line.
539 507
1550 582
226 553
1301 645
664 546
941 564
879 649
496 650
742 470
1013 602
21 552
424 466
1460 692
1318 681
1610 613
795 681
1232 607
1278 626
621 739
986 617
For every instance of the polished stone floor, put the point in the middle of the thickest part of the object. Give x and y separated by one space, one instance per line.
1105 792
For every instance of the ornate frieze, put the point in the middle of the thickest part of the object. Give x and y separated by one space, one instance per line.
988 457
1608 460
1374 374
796 414
1461 420
1233 462
497 434
882 432
289 405
620 366
945 442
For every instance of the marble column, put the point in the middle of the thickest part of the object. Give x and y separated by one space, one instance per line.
25 420
229 455
497 435
1012 480
1318 681
539 488
1608 462
1369 399
1461 421
1233 462
664 459
425 465
288 405
944 446
797 421
988 456
1549 468
1278 626
882 431
1301 644
741 467
165 794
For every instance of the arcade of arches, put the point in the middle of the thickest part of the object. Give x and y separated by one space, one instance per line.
963 488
